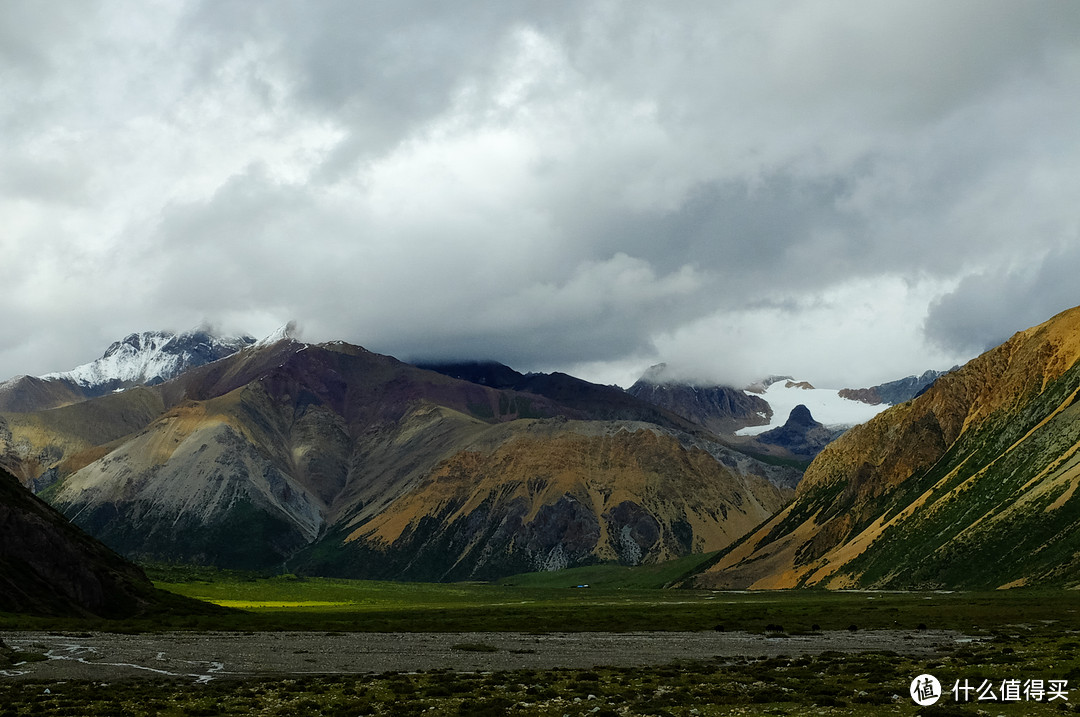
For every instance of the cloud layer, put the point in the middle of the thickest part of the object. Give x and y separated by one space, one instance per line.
836 190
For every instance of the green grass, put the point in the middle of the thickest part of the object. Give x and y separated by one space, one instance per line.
364 605
288 602
613 576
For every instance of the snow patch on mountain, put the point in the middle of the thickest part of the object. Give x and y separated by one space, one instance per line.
282 333
151 357
825 404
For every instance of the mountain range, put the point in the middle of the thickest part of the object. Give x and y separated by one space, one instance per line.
344 462
329 459
720 409
892 393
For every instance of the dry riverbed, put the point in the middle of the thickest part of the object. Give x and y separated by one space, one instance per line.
202 657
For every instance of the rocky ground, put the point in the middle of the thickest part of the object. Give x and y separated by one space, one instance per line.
203 657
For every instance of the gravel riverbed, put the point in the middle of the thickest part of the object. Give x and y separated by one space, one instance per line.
202 657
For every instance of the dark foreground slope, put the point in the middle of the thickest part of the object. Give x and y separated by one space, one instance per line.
972 484
50 567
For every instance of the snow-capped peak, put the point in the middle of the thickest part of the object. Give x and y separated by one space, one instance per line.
282 333
150 357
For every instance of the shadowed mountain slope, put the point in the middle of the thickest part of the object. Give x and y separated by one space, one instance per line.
972 484
50 567
578 398
801 434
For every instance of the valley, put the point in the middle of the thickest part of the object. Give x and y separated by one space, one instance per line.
328 528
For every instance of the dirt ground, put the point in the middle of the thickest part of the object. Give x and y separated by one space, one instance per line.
202 657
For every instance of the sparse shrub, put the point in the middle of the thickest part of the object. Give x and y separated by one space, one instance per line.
943 710
829 701
474 647
493 707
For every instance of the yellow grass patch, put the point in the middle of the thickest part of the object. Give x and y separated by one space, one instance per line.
282 604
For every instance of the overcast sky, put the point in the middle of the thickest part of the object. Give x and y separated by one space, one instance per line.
845 191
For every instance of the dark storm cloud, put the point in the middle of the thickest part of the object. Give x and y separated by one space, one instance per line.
754 227
381 67
987 308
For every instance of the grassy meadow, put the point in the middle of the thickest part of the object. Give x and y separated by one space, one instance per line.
617 599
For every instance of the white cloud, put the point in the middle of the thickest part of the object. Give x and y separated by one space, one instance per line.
579 185
855 334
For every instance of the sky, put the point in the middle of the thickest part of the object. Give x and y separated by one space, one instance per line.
843 191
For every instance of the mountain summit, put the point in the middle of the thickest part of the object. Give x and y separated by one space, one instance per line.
801 435
150 358
143 359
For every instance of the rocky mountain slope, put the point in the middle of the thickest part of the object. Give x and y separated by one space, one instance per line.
143 359
49 567
972 484
892 393
720 409
342 455
548 494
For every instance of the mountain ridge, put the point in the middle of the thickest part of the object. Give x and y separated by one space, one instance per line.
895 392
971 484
720 409
139 359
